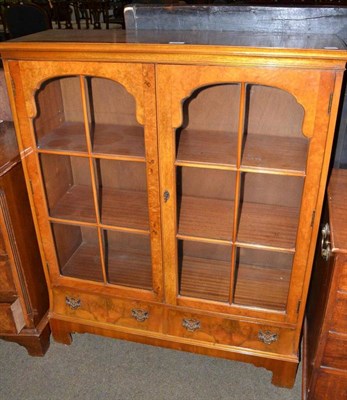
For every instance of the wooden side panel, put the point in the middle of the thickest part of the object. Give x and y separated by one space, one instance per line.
50 108
57 175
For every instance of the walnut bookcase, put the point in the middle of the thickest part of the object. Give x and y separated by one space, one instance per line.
177 188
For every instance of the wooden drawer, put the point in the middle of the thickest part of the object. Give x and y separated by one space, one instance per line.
11 317
329 386
335 353
3 251
80 305
7 287
339 319
230 332
135 314
343 276
125 313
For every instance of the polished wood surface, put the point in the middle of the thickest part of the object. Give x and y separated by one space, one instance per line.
194 230
174 38
325 372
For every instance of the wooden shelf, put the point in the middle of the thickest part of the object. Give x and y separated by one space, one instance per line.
132 269
119 140
262 287
108 139
84 263
205 279
69 136
275 153
119 208
268 225
77 204
207 147
206 218
124 208
260 224
255 286
125 268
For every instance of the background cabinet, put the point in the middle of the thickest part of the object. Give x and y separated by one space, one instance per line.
325 350
178 196
23 292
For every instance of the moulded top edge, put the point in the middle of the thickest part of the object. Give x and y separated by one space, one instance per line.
236 42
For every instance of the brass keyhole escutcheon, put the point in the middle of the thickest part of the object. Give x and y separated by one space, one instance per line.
166 196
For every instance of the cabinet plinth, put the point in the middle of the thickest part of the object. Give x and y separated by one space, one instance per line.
177 189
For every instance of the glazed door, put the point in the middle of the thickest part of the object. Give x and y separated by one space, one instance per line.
241 154
89 138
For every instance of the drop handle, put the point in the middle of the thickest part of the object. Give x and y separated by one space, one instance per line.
139 314
166 196
267 337
325 242
191 324
73 302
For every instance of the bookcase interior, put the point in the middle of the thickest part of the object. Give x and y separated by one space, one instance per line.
240 169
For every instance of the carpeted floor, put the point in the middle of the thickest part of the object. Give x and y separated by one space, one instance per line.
106 369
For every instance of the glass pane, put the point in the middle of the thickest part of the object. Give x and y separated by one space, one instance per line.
269 209
68 187
59 123
205 202
273 130
128 259
78 251
262 278
209 130
114 128
204 270
122 193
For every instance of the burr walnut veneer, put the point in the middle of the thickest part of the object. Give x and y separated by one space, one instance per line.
177 180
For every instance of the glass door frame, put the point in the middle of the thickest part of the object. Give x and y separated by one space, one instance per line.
313 95
139 80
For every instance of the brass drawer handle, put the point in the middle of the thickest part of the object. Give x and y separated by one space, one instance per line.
191 324
139 314
72 302
268 337
325 243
